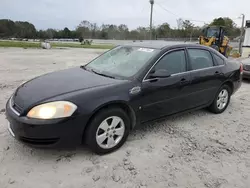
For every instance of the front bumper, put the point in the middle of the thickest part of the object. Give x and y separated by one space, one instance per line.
246 74
57 132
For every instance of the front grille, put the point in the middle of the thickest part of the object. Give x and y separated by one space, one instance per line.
246 67
36 141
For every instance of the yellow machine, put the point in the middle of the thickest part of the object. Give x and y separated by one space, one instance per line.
215 37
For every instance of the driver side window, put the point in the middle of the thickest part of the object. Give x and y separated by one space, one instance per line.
174 62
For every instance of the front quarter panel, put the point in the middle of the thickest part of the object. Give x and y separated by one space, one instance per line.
90 100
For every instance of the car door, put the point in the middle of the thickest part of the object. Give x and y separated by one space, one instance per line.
206 76
165 96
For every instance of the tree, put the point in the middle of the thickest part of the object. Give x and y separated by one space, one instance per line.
25 30
163 31
42 34
66 33
187 25
113 32
84 29
143 33
7 28
179 23
17 29
51 33
75 34
218 22
228 24
123 30
134 34
94 30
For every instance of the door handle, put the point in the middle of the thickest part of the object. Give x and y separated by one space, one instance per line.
184 81
217 73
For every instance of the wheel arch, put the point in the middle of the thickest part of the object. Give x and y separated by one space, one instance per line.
227 82
119 104
230 84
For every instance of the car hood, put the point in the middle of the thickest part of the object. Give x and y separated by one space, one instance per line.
57 83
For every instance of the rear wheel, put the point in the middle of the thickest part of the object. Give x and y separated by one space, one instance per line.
221 100
107 131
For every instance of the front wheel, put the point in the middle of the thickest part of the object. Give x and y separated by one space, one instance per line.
221 100
107 131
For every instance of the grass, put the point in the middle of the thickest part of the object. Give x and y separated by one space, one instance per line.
20 44
78 45
24 44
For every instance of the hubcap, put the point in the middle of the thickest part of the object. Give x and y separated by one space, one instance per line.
110 132
222 99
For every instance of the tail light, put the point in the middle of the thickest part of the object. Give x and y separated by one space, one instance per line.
241 68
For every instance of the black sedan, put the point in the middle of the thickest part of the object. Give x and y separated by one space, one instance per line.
101 102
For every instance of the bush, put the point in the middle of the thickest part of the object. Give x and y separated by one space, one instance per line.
80 39
87 42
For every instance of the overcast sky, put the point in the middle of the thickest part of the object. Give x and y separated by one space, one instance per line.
68 13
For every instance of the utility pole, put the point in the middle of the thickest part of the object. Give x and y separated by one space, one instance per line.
151 18
241 33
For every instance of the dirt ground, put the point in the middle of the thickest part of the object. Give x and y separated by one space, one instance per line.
193 150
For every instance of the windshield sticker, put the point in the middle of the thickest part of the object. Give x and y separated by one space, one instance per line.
145 50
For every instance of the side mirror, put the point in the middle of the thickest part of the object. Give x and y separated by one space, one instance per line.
161 73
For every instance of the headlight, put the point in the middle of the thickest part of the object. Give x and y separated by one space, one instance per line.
52 110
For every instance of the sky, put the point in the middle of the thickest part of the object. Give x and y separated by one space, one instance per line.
58 14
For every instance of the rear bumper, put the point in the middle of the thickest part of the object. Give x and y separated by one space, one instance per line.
58 132
237 85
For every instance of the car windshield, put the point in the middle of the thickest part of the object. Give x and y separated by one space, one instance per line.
122 61
212 32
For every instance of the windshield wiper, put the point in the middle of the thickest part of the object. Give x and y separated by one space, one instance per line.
101 74
91 70
83 67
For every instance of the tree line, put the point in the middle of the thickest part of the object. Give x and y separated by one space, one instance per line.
87 30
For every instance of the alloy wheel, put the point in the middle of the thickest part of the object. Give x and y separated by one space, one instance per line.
222 99
110 132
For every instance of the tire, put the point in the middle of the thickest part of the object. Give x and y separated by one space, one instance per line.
101 126
219 107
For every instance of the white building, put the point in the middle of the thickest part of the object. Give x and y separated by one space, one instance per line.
246 43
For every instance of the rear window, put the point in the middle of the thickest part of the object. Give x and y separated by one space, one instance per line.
219 60
200 59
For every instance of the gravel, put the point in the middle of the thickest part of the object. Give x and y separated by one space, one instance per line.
197 149
88 170
116 178
96 177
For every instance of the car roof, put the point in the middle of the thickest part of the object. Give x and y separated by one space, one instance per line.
164 44
150 44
